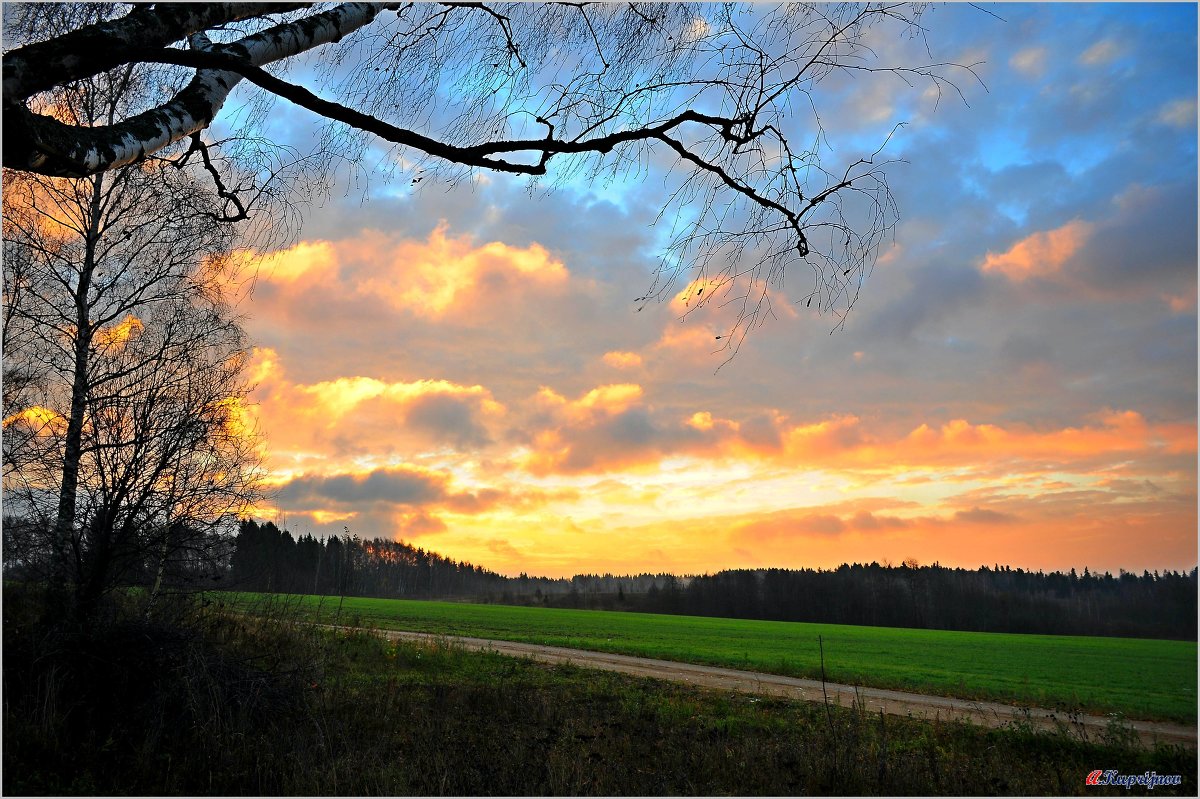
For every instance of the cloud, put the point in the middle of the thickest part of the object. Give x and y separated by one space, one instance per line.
443 274
37 419
391 501
987 448
824 521
1041 253
1030 62
1180 303
116 336
378 521
1115 437
924 295
1051 524
622 360
790 524
1145 245
450 418
395 486
626 438
1023 350
606 400
334 423
866 521
692 342
828 439
498 302
1179 113
434 278
614 427
1102 52
438 412
305 262
979 515
1119 433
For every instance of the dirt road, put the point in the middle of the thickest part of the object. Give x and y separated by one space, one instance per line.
898 703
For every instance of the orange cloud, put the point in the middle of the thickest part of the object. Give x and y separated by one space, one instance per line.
622 360
39 419
827 439
557 445
1073 496
335 424
1119 433
330 517
690 341
629 482
607 428
341 396
116 336
440 276
264 365
607 399
856 518
431 277
407 500
1180 303
1039 254
611 428
405 485
239 421
697 292
306 262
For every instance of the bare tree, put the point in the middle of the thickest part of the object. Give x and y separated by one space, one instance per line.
558 90
129 446
123 441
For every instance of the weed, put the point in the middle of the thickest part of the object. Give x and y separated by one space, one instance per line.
1118 732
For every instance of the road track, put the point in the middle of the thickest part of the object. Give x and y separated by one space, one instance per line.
896 703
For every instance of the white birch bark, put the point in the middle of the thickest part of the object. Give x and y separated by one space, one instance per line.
92 150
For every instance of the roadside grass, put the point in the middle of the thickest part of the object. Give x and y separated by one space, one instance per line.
269 706
1139 678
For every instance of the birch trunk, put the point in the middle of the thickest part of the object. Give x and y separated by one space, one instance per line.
64 523
43 144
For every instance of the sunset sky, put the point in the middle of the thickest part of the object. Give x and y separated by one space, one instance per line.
463 368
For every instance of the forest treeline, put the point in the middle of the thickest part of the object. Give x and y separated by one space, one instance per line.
996 599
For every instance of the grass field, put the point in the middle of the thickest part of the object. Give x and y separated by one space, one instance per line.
1140 678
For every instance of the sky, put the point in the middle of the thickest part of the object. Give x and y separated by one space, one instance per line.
464 368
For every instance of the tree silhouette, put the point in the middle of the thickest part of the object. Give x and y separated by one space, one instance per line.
125 445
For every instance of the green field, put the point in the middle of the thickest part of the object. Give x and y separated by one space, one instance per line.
1140 678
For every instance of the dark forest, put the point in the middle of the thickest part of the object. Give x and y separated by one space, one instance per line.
987 599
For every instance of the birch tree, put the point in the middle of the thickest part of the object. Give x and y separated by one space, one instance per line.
125 444
131 431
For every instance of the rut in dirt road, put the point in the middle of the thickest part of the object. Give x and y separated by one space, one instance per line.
897 703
